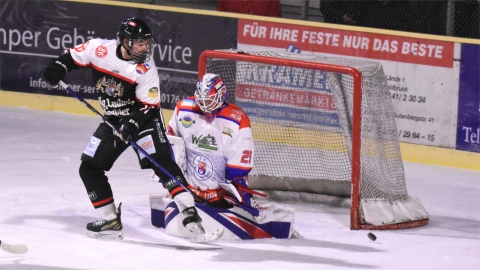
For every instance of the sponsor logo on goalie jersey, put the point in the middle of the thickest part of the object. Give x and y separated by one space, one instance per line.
208 142
228 131
187 121
236 117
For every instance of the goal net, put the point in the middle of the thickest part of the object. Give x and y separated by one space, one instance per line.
321 125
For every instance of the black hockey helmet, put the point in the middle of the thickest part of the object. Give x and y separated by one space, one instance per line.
135 29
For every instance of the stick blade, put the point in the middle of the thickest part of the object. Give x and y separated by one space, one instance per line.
14 248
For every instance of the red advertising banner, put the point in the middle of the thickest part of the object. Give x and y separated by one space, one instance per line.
345 42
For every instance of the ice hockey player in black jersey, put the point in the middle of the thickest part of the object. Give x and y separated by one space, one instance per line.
127 83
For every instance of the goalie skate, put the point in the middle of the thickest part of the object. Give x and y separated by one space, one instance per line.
106 229
213 235
192 221
199 234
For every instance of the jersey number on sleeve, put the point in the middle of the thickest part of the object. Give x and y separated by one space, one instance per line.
247 156
81 47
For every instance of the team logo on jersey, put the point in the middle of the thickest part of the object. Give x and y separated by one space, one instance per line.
187 121
208 142
153 92
203 167
109 87
101 51
142 68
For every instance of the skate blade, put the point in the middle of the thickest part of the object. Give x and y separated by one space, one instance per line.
295 234
208 236
111 235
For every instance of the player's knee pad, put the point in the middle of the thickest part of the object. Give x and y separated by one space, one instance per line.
96 183
91 174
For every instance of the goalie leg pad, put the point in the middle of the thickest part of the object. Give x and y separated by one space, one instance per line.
274 221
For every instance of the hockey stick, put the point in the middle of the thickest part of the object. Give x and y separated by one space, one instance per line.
135 145
14 248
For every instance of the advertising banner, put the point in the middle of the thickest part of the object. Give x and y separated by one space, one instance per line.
33 32
422 74
286 94
468 128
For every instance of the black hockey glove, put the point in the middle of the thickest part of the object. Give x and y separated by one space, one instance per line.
129 129
54 72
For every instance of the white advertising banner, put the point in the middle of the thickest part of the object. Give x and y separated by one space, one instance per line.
422 74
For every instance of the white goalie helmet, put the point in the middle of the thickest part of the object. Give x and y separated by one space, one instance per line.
211 92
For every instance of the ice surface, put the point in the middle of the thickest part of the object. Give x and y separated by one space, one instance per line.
43 203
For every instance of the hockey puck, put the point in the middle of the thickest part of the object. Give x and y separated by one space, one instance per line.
372 236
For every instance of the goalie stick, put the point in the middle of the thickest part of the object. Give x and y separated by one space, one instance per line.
209 235
14 248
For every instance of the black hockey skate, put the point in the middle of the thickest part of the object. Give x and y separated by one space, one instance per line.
193 222
106 229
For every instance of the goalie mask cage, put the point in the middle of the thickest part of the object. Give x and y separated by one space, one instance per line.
321 125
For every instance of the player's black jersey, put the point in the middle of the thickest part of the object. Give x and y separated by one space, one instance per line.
123 87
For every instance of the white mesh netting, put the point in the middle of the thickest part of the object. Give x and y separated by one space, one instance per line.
302 124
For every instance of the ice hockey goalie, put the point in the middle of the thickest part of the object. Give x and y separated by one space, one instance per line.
213 144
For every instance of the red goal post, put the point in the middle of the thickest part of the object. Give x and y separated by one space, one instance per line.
230 64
